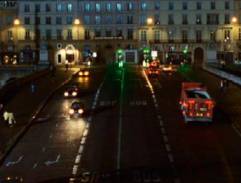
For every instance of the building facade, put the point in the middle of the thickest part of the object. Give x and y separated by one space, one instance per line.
195 30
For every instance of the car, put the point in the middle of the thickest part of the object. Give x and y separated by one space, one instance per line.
152 71
76 109
71 91
195 103
83 73
168 68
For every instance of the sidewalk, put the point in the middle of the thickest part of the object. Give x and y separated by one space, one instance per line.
26 102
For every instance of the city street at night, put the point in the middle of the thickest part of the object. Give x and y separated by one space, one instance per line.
110 91
132 131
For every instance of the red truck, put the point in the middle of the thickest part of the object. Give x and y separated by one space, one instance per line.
195 102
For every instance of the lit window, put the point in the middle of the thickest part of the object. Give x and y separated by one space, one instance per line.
87 7
97 19
69 7
108 7
143 6
59 7
129 6
97 7
119 7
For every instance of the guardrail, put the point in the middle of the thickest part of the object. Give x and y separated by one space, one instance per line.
225 75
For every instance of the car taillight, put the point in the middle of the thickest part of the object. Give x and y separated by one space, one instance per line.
209 103
208 114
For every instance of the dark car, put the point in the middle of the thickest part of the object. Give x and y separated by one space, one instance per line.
71 91
76 109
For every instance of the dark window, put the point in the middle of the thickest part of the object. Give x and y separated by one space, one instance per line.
48 34
227 5
226 19
58 20
119 33
199 5
48 20
170 6
184 36
129 19
184 6
157 5
87 34
213 5
59 34
37 20
212 19
47 7
97 33
108 33
26 8
27 20
157 19
130 34
170 19
184 19
37 8
198 36
69 20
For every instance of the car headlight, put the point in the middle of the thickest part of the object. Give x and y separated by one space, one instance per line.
86 73
80 73
71 111
80 111
66 94
74 94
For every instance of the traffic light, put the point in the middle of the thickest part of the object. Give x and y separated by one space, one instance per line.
146 54
120 57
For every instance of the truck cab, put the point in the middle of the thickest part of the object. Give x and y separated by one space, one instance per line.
195 103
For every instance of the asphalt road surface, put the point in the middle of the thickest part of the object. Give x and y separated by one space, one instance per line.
133 132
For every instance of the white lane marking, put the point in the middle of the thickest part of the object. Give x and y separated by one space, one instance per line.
83 140
35 165
43 149
14 162
47 163
77 159
85 132
81 147
50 136
75 169
168 148
161 123
236 130
170 157
163 130
165 138
56 125
120 121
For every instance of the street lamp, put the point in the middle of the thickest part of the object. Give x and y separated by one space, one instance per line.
16 21
77 23
234 20
149 21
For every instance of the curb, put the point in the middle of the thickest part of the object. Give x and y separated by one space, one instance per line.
24 130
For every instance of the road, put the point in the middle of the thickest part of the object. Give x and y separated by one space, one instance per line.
134 132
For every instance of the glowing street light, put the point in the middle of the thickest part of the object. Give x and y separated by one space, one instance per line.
149 21
16 22
234 20
76 21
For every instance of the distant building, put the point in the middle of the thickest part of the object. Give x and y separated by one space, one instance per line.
194 30
8 51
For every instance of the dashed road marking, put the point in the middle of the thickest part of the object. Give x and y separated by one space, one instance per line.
77 159
161 123
43 149
170 157
35 165
83 140
165 138
236 130
14 162
81 147
163 130
168 148
75 169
